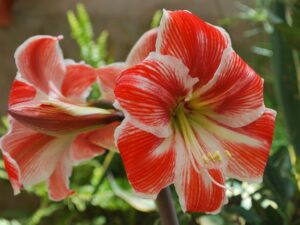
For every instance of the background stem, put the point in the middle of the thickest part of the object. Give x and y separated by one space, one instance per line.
166 207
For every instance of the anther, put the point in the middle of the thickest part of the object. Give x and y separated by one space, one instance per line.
217 156
205 159
229 155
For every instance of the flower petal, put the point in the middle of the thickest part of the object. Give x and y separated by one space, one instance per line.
83 149
197 191
104 136
248 163
40 61
56 118
149 160
77 82
25 153
107 77
245 149
149 92
142 47
198 44
21 92
234 96
59 180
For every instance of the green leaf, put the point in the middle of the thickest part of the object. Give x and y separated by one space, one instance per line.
278 176
143 205
95 93
93 53
250 216
291 34
273 217
156 19
42 213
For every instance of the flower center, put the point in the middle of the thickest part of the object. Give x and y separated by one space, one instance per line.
203 152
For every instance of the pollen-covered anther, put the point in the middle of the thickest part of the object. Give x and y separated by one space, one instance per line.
228 154
217 157
205 159
209 157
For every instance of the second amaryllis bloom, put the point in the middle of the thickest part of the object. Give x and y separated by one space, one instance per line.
52 125
194 114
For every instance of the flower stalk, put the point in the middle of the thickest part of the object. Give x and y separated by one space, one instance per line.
166 207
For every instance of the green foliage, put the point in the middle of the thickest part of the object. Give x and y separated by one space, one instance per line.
156 19
92 52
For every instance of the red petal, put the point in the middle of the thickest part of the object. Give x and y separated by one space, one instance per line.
244 150
59 181
77 81
149 160
21 92
234 95
54 120
149 92
107 76
197 192
104 136
198 44
40 62
248 162
83 149
12 170
142 47
25 153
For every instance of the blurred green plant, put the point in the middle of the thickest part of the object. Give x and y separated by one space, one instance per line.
92 52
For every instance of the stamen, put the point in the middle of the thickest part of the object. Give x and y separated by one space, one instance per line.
217 183
205 159
217 156
210 156
229 155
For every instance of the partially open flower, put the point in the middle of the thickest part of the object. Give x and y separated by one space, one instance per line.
194 113
53 126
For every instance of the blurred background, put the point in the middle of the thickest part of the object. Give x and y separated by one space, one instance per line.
266 33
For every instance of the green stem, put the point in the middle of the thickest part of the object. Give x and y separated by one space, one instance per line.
105 167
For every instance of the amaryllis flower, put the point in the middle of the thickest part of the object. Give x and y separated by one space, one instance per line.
194 114
52 126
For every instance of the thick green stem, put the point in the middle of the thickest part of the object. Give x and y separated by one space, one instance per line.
286 81
166 208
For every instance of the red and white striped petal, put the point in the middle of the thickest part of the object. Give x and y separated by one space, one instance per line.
142 47
40 62
245 149
82 149
104 136
25 153
21 92
77 82
149 92
57 117
234 96
198 44
107 76
58 184
149 160
247 162
198 191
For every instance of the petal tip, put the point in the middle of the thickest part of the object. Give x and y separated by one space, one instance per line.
60 37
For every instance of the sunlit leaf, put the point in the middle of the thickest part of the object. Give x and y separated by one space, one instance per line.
144 205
